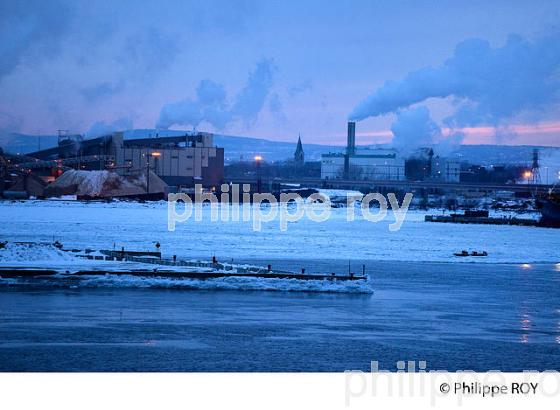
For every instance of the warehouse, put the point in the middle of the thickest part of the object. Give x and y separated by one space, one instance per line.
180 161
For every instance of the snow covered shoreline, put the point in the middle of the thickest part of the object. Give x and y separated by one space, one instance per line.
101 225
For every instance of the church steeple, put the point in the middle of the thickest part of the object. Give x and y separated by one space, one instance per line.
299 156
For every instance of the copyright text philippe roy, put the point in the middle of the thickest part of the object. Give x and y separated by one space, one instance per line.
489 390
413 380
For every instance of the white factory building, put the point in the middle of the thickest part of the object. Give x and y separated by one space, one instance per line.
368 164
362 163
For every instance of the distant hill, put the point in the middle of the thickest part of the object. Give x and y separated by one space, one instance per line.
241 148
20 143
506 154
245 148
236 148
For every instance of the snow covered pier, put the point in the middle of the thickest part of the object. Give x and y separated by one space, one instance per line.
151 264
19 272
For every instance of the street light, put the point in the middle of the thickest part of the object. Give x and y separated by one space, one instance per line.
258 160
154 154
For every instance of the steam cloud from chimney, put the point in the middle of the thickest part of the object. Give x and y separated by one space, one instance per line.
210 103
488 85
101 128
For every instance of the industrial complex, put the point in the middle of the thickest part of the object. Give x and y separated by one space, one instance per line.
381 164
362 163
179 161
114 166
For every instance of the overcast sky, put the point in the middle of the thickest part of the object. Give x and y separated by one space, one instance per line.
273 69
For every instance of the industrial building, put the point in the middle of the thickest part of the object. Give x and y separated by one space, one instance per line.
362 163
445 169
180 161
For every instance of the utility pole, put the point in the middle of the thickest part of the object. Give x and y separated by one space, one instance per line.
156 155
148 176
258 160
535 167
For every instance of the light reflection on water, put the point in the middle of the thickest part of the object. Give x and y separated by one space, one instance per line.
526 327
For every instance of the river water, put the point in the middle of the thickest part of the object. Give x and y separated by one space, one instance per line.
453 316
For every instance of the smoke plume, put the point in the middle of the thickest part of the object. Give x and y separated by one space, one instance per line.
414 128
210 104
101 128
489 86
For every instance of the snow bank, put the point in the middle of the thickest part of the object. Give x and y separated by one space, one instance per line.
102 184
341 193
15 253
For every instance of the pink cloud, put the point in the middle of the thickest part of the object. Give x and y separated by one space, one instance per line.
521 134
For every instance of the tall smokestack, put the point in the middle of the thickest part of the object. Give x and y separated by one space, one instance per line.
351 141
350 147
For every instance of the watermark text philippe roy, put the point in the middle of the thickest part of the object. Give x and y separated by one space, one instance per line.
237 204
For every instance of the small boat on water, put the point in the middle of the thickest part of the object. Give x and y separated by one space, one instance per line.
473 253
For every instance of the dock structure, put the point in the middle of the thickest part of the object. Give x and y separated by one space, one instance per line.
215 269
170 268
19 272
460 219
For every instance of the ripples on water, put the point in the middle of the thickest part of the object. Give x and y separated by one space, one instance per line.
453 316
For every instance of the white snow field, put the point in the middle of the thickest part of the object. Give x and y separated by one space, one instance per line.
138 226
